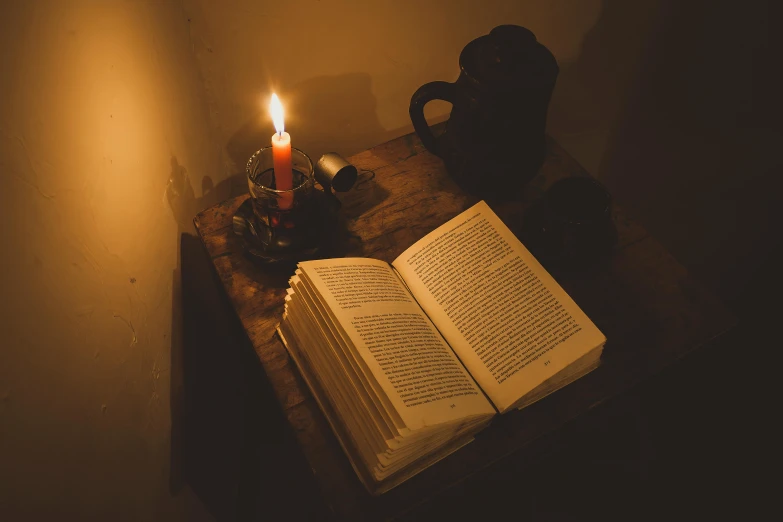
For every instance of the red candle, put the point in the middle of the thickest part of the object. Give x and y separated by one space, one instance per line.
281 154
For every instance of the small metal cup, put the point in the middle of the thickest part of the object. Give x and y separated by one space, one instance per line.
333 171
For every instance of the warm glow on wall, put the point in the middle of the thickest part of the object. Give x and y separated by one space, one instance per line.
100 100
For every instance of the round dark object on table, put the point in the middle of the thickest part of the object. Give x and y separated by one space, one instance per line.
572 224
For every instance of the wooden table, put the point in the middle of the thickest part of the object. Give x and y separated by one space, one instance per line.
651 311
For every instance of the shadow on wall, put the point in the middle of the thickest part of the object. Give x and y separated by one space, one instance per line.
591 90
695 150
229 442
332 114
184 205
182 198
674 106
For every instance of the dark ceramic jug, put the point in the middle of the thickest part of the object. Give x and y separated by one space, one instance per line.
494 141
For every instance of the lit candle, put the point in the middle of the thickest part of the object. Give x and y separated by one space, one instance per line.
281 154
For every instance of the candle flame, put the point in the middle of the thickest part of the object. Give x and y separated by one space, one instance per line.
276 108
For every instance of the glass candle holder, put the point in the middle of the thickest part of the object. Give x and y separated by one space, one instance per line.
283 217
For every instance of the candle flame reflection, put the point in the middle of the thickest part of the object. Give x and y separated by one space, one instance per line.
276 108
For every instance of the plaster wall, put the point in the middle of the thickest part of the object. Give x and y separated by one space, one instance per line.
103 119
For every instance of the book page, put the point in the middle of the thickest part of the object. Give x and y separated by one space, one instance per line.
396 341
507 319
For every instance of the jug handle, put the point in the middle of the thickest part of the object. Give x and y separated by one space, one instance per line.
426 93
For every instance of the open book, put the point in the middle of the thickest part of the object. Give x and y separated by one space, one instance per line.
409 360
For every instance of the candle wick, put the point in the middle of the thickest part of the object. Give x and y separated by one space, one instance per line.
280 133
